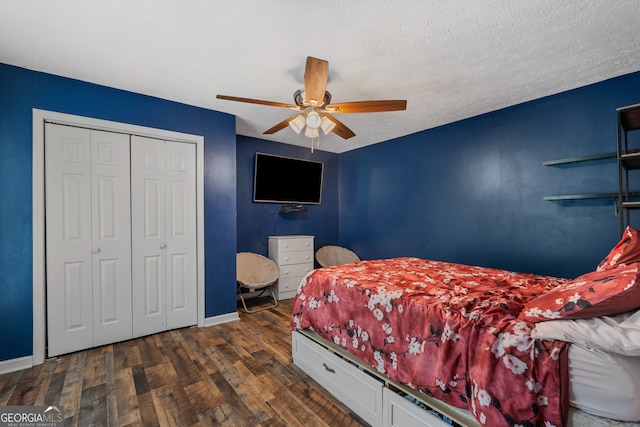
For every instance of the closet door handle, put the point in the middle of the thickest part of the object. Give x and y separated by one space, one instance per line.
163 245
95 250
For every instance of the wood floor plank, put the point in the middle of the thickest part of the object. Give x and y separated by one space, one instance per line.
225 358
95 369
242 344
111 405
186 372
279 346
203 396
224 415
46 376
167 408
127 354
250 374
55 388
148 411
238 374
128 412
288 406
26 390
149 352
254 394
279 370
157 375
240 413
140 380
92 406
182 403
330 410
9 383
72 387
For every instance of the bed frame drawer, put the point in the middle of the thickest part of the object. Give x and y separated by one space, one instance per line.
399 412
356 389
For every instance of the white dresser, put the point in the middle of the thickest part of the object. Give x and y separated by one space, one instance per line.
294 256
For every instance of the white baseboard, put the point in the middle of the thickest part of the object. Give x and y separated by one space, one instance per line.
16 364
223 318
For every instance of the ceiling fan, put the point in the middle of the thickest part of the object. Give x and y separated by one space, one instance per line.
314 105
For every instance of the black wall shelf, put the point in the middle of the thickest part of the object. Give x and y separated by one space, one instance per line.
628 160
582 196
577 159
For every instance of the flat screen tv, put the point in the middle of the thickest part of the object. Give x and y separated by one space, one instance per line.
286 180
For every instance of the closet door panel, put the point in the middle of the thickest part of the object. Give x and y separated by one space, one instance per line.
68 239
111 243
181 234
148 235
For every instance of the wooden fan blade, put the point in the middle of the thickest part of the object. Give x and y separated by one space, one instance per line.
340 129
367 106
316 75
258 101
283 124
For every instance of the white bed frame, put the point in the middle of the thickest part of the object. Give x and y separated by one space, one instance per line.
376 398
381 401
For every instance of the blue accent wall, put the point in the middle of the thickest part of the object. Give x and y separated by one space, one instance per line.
472 191
20 91
257 221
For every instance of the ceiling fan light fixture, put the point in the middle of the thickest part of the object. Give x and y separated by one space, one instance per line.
313 120
298 123
311 132
326 125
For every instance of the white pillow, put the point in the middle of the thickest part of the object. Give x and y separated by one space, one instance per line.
617 334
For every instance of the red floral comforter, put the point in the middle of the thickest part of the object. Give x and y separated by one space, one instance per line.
448 330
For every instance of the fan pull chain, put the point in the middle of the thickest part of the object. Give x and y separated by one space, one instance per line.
318 143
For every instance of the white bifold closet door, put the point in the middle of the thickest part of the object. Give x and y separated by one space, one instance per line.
164 235
121 240
88 238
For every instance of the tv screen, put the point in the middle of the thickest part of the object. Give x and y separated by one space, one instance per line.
280 179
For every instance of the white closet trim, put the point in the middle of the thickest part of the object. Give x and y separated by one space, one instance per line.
40 117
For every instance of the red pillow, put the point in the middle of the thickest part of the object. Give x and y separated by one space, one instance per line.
595 294
625 252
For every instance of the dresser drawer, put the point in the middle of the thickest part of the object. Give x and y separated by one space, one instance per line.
295 270
294 243
294 257
286 294
356 389
288 285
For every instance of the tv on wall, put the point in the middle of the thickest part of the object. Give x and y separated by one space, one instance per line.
286 180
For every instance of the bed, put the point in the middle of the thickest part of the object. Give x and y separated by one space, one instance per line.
482 346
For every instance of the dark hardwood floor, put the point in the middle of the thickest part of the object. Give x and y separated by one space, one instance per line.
235 374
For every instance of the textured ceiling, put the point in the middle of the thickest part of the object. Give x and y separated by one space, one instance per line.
449 59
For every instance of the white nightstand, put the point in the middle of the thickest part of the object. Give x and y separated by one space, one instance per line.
294 256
